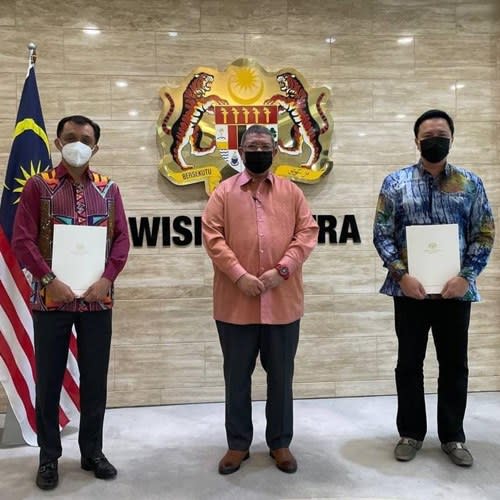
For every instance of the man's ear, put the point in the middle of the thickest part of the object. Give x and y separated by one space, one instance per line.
57 143
95 149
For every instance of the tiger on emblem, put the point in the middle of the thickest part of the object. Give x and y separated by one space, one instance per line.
195 103
305 128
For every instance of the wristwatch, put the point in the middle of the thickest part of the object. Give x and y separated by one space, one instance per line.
283 271
46 279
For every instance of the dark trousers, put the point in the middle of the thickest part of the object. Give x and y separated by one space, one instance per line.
449 321
52 334
277 345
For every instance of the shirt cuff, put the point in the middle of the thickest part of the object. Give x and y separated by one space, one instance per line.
236 272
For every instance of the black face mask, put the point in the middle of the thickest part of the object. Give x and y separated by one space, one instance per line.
435 149
258 161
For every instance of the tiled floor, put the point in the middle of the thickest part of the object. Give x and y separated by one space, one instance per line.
343 446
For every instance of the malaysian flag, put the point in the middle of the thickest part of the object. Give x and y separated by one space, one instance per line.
29 155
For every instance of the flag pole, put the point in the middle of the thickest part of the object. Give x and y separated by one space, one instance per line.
32 56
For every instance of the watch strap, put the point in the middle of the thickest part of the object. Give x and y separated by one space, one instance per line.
46 279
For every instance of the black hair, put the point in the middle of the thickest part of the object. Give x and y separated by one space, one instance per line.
256 129
433 113
79 120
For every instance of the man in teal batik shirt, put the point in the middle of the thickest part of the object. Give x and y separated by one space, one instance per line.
433 192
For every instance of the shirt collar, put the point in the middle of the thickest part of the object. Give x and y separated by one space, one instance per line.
246 178
62 171
446 172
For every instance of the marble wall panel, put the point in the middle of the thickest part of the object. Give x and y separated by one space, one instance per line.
479 384
343 185
210 394
188 320
336 359
369 315
405 100
478 17
490 277
485 315
8 13
8 110
345 388
156 367
490 178
414 17
137 397
307 54
130 145
460 57
318 321
206 49
109 52
78 14
308 390
478 100
259 16
162 278
3 399
349 272
364 222
158 15
331 18
6 134
351 99
372 57
65 94
138 98
14 52
484 353
472 137
369 143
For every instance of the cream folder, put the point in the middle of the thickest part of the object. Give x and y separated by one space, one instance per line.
78 255
433 254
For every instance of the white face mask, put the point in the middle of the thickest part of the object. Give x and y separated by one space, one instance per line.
76 154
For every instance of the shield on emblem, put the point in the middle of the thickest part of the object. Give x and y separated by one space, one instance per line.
232 121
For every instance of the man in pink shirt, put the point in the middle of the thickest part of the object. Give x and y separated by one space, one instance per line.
73 194
258 230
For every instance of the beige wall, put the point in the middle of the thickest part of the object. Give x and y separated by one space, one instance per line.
165 347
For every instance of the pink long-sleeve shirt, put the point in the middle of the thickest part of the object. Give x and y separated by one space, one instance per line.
247 232
49 198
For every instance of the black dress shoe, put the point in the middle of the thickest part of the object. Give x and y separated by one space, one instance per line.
101 467
47 477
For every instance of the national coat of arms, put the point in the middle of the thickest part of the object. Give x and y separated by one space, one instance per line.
202 121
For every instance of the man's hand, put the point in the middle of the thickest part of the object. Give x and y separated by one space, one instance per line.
97 291
60 292
271 278
455 288
412 288
250 285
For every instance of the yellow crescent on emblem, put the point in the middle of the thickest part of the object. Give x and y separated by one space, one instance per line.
30 124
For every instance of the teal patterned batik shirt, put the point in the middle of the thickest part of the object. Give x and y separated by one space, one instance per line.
411 196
